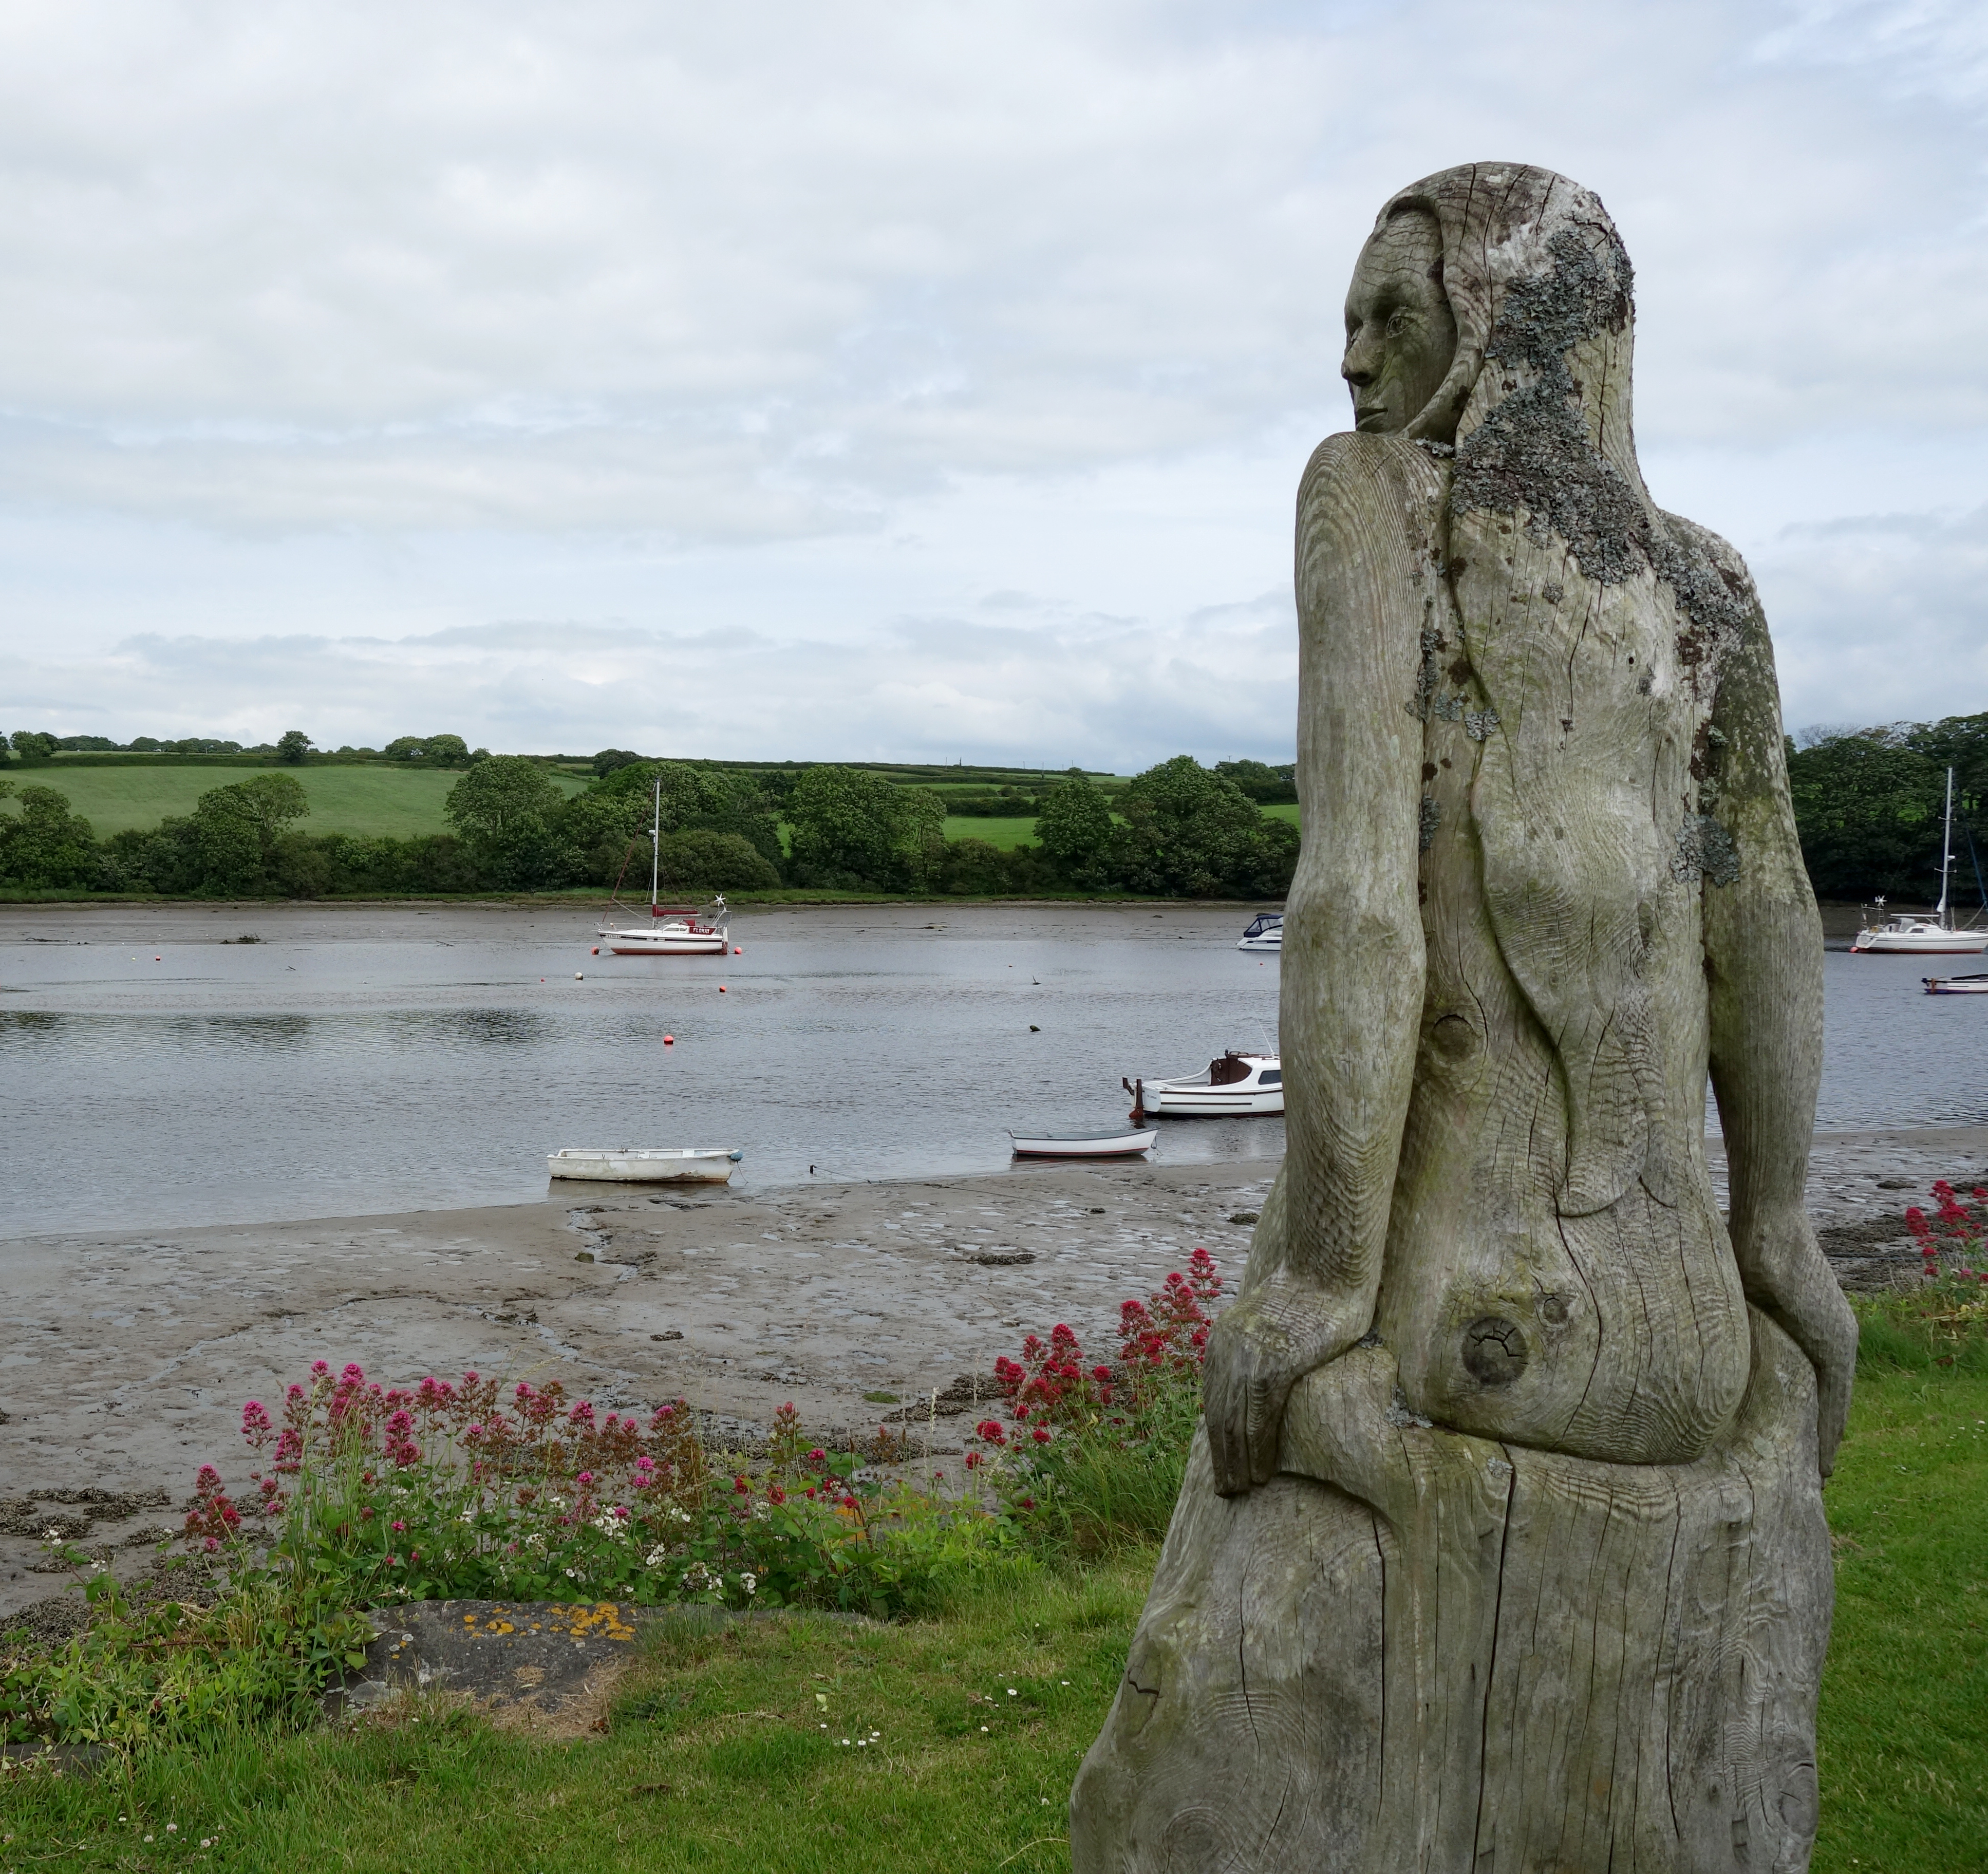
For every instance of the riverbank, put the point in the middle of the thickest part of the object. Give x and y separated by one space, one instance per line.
125 1357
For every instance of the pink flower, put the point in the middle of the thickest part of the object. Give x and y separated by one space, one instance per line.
354 1374
1040 1434
776 1494
399 1529
320 1368
740 1487
817 1456
620 1514
584 1478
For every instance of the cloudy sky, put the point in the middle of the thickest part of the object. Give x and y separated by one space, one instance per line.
906 380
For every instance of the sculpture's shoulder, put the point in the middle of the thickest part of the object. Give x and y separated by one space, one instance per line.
1367 471
1728 566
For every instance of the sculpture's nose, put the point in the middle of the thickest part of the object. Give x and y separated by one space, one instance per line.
1362 359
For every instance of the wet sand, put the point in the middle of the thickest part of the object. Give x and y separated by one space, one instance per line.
125 1359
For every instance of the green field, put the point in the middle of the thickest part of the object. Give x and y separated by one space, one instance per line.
402 802
1006 834
1285 809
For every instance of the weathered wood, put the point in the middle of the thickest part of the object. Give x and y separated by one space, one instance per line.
1504 1548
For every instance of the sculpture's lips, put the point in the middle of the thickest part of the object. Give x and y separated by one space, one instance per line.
1369 416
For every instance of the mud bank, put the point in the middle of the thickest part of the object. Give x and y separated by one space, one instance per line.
125 1359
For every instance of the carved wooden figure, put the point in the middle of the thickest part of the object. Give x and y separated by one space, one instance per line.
1502 1549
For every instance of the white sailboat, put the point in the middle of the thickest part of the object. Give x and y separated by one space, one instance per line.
673 930
1915 934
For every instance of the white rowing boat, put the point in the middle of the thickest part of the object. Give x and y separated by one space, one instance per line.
1955 986
1119 1142
637 1165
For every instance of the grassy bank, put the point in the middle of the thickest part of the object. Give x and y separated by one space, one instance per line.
723 1749
367 803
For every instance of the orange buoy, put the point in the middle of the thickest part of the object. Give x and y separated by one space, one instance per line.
721 989
736 951
669 1040
595 951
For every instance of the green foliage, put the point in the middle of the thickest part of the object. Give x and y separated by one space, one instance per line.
609 760
31 746
1266 785
236 831
697 859
1869 806
505 809
1192 833
45 846
292 745
1074 828
847 827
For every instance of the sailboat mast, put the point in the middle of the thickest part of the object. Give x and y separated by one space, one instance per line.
656 848
1945 851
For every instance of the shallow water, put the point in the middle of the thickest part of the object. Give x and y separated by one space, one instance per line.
366 1061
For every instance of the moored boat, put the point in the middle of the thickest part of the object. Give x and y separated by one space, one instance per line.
1265 932
672 930
1955 986
1118 1142
640 1164
1234 1083
1932 933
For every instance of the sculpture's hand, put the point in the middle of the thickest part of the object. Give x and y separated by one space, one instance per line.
1788 1279
1273 1336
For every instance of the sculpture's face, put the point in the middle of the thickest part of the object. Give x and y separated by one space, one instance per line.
1400 335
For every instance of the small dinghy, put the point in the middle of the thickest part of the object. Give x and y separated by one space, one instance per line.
1955 986
636 1165
1118 1142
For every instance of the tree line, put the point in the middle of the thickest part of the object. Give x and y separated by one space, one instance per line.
1178 829
1870 804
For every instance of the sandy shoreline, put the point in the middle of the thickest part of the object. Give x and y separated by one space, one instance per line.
125 1357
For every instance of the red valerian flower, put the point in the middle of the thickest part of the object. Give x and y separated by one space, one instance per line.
1040 1434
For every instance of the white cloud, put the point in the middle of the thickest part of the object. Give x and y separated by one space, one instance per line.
326 328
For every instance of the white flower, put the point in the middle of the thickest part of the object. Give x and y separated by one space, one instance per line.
468 1516
749 1582
655 1559
51 1535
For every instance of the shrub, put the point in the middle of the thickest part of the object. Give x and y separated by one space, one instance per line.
1942 1319
1091 1455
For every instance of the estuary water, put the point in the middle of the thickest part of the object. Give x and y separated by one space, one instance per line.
361 1060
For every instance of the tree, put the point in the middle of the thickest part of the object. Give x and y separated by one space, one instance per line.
1868 809
46 846
32 747
1073 828
1189 832
702 860
845 824
448 751
237 829
609 760
292 745
503 808
1266 786
921 834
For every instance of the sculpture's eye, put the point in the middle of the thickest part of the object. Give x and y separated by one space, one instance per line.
1398 322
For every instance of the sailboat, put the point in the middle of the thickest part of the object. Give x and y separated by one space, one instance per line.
673 930
1914 934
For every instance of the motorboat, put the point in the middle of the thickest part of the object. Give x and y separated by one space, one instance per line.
639 1165
672 930
1117 1142
1234 1083
1955 986
1913 933
1265 932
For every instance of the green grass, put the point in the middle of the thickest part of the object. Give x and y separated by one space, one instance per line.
1904 1742
405 802
1287 810
1007 834
715 1759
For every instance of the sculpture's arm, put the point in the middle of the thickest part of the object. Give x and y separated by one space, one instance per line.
1763 955
1352 962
